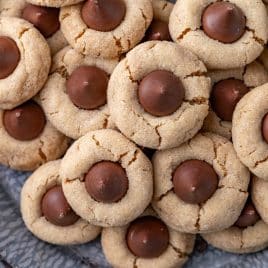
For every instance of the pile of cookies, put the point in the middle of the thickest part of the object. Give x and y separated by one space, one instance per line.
142 121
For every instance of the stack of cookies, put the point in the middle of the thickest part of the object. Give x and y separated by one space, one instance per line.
142 121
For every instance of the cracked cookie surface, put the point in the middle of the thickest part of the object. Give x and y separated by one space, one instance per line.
253 75
7 8
130 117
59 108
33 68
236 240
259 195
264 58
109 44
247 134
116 250
29 155
186 29
210 215
107 145
43 179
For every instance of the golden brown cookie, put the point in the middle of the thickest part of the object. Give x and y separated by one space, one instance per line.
228 87
231 34
47 214
249 131
249 233
259 190
90 32
25 63
28 140
159 103
71 97
193 181
107 179
146 242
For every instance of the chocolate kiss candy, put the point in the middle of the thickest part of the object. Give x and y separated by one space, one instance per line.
106 182
103 15
248 217
195 181
225 96
147 237
45 19
25 122
56 209
161 93
9 56
224 21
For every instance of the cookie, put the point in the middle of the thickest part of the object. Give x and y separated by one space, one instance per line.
45 19
107 36
259 190
158 29
160 104
249 131
9 9
248 235
229 86
107 180
264 58
193 181
146 242
73 100
231 34
27 139
54 3
46 212
162 10
25 62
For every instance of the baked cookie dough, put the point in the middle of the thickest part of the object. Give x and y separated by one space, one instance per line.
146 242
248 235
27 139
107 180
229 86
10 9
74 97
162 10
25 61
264 58
90 32
46 212
45 19
54 3
158 29
201 186
259 195
160 104
250 131
233 39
